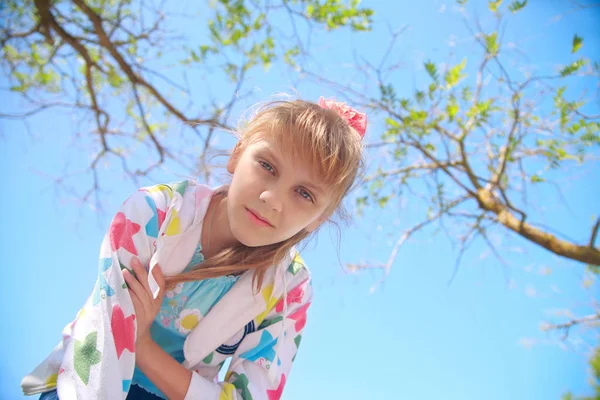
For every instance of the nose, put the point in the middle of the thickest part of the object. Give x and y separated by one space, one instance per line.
272 199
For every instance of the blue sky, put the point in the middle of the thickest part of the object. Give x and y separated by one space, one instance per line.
415 337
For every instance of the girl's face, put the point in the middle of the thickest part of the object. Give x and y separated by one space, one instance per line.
271 198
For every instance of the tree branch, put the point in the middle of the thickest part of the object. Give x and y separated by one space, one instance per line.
410 168
134 77
594 233
585 254
591 319
409 232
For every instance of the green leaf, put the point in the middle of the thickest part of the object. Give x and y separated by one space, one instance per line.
418 116
335 14
383 201
362 201
493 5
290 54
392 123
237 35
420 96
577 43
537 179
204 49
454 75
431 70
573 67
594 269
432 88
515 6
21 88
400 153
491 43
35 55
461 2
376 185
467 95
44 77
452 108
231 70
484 106
269 43
11 52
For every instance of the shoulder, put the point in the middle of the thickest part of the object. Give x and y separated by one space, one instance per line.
168 193
297 266
289 273
174 189
298 276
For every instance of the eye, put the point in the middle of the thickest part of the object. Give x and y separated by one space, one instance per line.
306 195
267 166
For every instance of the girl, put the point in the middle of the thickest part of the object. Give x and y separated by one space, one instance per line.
176 297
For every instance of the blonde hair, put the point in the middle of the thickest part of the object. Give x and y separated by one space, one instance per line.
323 140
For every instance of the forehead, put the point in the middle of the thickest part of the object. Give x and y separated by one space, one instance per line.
291 158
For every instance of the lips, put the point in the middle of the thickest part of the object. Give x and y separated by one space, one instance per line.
256 217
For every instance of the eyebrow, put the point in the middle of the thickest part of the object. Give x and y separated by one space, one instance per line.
315 188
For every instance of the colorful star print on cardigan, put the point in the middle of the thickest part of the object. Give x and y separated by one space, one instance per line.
260 331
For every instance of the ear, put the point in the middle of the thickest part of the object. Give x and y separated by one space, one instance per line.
234 157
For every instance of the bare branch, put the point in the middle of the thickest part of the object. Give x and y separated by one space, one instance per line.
134 77
409 232
507 149
594 233
410 168
465 242
159 148
588 320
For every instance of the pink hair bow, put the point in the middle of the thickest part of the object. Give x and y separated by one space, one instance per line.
355 119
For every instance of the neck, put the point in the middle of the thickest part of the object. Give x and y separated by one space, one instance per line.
216 230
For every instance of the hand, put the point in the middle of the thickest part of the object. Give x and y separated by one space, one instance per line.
146 307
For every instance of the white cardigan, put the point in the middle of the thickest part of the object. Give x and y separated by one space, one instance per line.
162 225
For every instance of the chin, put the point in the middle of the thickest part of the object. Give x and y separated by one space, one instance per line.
253 237
251 241
249 237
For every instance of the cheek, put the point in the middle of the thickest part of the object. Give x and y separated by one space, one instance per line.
248 172
302 215
242 179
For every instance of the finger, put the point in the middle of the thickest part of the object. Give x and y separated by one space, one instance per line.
135 262
132 283
137 304
142 302
139 312
142 274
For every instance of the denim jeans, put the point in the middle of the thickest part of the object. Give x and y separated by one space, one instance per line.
135 393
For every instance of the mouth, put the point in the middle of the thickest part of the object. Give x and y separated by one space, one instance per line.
258 219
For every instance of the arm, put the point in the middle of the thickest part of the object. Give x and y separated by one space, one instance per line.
164 371
155 363
99 346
